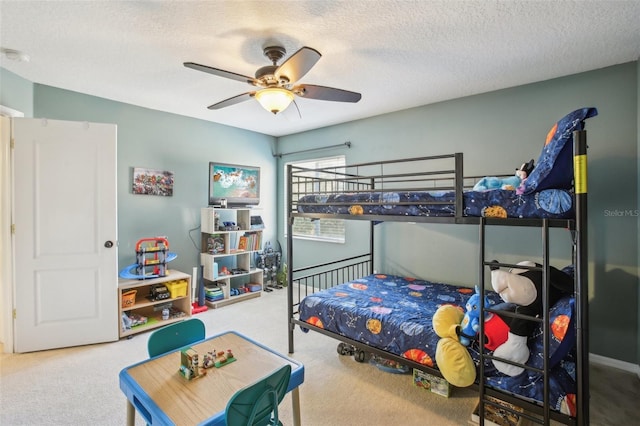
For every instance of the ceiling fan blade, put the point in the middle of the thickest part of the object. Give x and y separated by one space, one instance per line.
298 64
323 93
232 101
223 73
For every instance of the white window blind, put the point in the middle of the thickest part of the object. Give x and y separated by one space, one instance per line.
322 229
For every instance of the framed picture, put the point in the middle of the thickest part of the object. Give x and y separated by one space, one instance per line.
152 182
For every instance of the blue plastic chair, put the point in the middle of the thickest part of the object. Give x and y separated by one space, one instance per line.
257 404
174 336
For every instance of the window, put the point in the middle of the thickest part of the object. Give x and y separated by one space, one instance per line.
322 229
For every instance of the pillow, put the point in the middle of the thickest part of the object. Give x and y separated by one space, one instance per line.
563 336
554 168
563 333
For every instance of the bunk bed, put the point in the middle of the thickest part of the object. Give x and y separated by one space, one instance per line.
342 299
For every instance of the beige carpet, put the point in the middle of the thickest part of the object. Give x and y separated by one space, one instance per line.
79 386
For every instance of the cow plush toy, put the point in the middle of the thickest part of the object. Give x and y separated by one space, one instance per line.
523 287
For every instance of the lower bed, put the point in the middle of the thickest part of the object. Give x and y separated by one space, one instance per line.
395 314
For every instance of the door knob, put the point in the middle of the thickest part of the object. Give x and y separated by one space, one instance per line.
108 244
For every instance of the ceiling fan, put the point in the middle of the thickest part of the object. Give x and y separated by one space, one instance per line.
277 83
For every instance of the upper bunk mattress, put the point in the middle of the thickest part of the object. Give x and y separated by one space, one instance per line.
546 204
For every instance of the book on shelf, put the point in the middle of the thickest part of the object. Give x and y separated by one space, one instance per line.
213 293
251 241
242 243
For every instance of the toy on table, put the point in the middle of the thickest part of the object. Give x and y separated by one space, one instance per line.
209 359
223 358
217 358
508 183
189 365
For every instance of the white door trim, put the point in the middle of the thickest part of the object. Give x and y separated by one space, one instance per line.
6 207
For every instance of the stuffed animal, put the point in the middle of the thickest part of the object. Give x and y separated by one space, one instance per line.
523 173
453 359
496 329
509 183
471 320
523 287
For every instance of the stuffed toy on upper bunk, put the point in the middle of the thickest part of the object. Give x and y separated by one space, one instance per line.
510 183
554 168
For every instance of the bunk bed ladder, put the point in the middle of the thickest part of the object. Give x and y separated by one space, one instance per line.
580 261
544 413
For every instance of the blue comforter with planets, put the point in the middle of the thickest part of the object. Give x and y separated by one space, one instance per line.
545 204
395 314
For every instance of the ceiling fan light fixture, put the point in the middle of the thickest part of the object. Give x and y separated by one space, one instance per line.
274 99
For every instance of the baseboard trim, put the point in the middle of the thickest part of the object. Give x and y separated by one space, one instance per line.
615 363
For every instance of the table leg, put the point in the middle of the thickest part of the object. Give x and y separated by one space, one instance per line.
131 414
295 399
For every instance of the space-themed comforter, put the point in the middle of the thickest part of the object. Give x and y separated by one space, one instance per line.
395 314
546 204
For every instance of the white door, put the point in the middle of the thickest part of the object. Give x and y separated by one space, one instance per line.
65 240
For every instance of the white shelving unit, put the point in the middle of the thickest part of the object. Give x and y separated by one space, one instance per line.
142 306
228 250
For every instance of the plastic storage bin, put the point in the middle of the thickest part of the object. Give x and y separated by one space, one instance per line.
129 298
177 288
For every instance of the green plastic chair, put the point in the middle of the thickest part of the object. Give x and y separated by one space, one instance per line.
257 404
174 336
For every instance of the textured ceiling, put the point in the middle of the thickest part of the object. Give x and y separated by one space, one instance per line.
398 54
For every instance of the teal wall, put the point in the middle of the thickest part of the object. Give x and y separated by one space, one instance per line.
498 131
158 140
16 92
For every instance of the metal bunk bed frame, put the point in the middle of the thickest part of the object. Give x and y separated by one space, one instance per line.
316 277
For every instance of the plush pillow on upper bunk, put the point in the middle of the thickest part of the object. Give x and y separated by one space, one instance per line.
554 168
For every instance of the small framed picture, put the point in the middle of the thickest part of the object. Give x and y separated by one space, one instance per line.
152 182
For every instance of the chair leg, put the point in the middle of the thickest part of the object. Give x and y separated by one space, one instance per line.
295 399
131 414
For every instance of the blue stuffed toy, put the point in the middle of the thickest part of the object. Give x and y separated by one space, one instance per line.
508 183
471 321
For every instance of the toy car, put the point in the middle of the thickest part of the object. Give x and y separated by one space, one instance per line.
159 292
